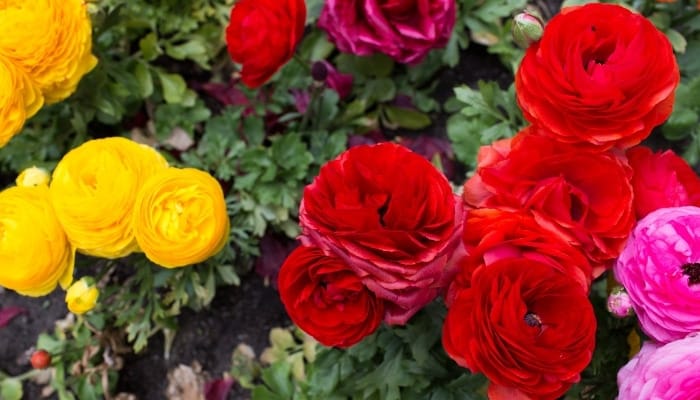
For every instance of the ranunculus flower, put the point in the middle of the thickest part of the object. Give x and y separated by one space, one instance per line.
34 252
392 217
51 40
93 189
601 74
660 268
661 180
405 30
33 176
82 295
669 372
584 194
525 325
19 99
262 35
326 299
491 235
180 217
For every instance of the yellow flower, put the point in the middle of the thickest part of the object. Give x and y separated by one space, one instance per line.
33 176
19 99
35 254
93 189
180 217
82 296
51 40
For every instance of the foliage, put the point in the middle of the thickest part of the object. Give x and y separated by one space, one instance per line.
485 115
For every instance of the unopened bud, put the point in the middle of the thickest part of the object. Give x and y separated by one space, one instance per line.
82 295
32 176
40 359
319 71
619 303
527 29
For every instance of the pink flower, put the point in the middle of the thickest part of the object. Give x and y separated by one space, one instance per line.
660 268
669 372
405 30
661 180
341 83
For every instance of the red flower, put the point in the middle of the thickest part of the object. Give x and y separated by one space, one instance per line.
262 35
524 325
491 235
392 217
601 74
583 194
661 180
325 298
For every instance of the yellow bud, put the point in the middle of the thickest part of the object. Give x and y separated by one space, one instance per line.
82 296
33 176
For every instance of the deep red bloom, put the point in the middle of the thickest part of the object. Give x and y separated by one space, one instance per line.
601 75
392 217
524 325
584 194
491 235
326 299
262 35
661 180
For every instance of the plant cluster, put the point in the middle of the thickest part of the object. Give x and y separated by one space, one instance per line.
275 120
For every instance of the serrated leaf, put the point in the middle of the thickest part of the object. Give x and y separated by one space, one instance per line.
677 40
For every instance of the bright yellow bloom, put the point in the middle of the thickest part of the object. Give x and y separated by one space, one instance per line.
82 296
19 99
35 254
33 176
93 190
180 217
51 40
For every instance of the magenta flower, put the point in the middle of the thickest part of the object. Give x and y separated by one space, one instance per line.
405 30
669 372
660 268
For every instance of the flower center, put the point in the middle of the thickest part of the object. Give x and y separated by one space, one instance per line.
533 320
382 210
692 271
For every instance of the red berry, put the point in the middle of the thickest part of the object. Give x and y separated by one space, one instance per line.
40 359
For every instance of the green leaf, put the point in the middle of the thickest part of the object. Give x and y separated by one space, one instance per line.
149 47
406 117
11 389
278 379
144 79
174 87
677 40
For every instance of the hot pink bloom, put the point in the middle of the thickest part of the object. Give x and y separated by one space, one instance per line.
669 372
660 268
405 30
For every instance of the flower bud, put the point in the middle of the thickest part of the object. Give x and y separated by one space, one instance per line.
619 303
33 176
40 359
527 29
82 296
319 71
